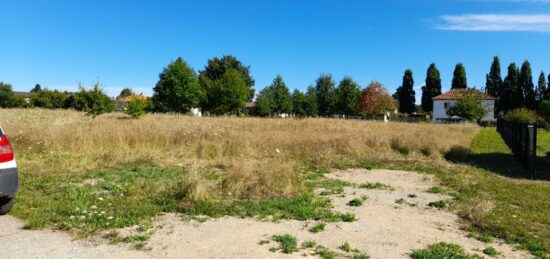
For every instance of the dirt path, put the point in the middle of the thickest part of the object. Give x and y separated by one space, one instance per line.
384 229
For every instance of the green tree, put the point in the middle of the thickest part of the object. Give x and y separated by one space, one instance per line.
405 93
346 96
299 101
526 86
48 99
459 77
493 82
93 102
125 92
547 93
177 89
227 95
274 99
217 67
36 88
310 106
137 107
468 106
8 99
325 92
509 97
432 88
541 88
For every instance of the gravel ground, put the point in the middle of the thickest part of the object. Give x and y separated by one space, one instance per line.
384 229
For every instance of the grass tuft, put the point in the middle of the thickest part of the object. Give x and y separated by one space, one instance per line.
288 243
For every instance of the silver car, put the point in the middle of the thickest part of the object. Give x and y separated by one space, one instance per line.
9 177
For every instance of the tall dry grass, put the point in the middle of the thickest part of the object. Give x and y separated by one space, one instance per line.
236 157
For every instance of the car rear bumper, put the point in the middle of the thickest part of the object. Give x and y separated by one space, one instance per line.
9 182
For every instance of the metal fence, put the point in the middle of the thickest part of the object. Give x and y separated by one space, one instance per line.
522 140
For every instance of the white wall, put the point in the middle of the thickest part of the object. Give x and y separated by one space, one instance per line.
440 112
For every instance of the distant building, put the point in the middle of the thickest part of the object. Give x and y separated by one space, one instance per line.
250 109
443 101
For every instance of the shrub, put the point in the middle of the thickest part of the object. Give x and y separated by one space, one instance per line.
288 243
490 251
544 110
468 106
355 203
317 228
136 107
440 250
522 115
93 102
49 99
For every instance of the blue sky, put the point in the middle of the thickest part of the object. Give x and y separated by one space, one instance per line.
127 43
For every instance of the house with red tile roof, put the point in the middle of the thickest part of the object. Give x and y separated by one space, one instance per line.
443 101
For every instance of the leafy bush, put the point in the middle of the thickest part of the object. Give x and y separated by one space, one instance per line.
522 115
136 107
49 99
94 101
468 106
544 110
8 99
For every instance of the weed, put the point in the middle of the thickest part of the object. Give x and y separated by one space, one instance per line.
441 250
485 238
348 217
376 185
412 195
491 251
317 227
263 242
288 243
434 189
400 201
325 253
309 244
355 202
437 204
345 247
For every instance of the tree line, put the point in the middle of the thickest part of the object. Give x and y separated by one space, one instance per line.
225 85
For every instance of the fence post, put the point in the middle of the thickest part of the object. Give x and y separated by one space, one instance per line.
531 149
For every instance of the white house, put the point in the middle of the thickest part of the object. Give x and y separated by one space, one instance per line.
446 100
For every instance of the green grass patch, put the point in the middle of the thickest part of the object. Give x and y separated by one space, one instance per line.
376 185
355 202
441 250
318 227
434 189
288 243
437 204
491 251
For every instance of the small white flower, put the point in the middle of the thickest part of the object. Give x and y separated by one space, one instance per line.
110 217
103 212
84 211
93 207
101 199
77 209
82 217
71 217
122 194
277 150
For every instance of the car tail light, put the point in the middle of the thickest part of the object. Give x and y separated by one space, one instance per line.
6 153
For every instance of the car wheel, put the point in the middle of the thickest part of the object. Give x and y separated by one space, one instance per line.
6 204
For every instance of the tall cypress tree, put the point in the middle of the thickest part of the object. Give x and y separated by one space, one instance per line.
406 93
459 77
432 88
541 88
526 86
493 80
509 97
547 93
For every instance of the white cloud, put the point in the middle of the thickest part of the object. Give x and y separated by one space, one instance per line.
496 22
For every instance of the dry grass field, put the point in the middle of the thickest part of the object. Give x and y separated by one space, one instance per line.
132 170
